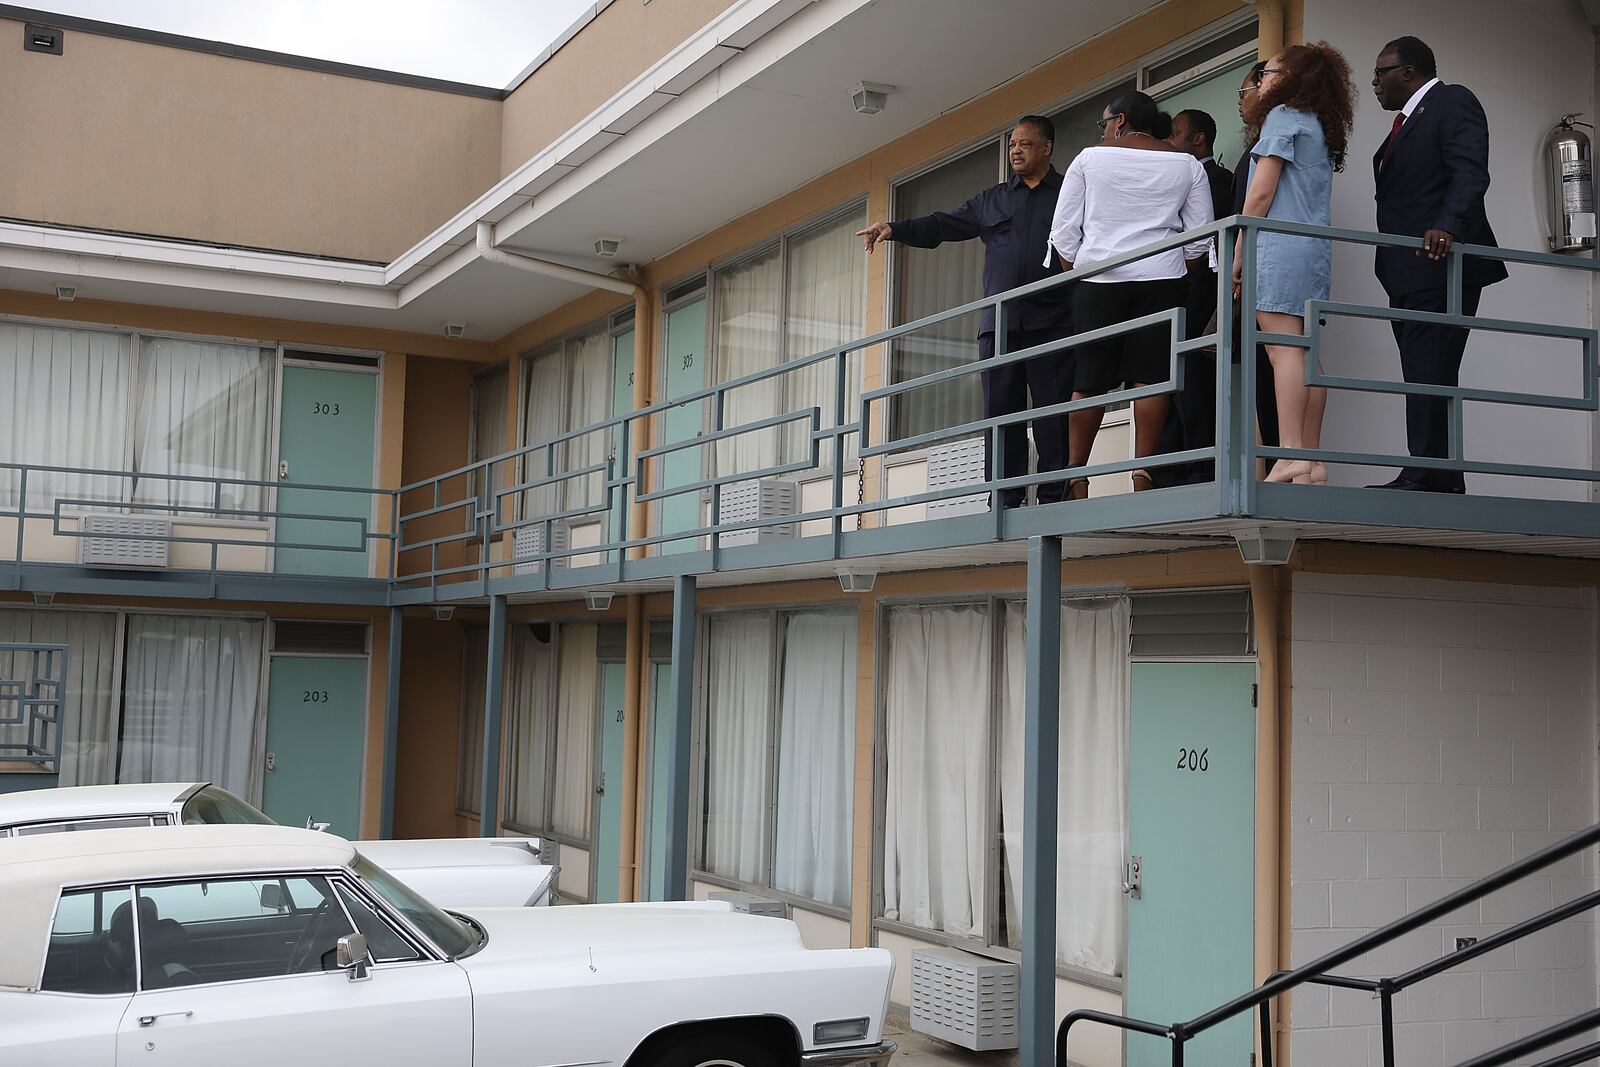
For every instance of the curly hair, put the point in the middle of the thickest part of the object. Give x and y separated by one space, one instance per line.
1316 79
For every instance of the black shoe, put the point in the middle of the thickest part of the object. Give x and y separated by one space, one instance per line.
1411 486
1009 502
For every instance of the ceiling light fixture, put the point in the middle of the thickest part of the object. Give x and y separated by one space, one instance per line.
455 330
66 293
869 98
607 247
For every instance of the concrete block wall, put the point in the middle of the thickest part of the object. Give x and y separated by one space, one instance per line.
1441 730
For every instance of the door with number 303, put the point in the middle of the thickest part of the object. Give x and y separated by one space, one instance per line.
326 438
1191 830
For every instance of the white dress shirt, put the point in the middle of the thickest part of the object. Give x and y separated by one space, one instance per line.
1416 97
1114 200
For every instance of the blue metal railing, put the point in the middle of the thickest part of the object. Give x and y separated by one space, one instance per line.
33 695
460 529
495 516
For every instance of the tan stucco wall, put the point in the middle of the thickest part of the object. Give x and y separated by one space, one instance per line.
430 728
437 436
619 45
124 135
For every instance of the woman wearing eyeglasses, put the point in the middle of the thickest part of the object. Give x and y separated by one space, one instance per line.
1130 190
1304 106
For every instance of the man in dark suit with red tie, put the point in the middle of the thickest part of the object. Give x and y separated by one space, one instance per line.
1432 171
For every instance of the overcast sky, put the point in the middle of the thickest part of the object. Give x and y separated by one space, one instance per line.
484 42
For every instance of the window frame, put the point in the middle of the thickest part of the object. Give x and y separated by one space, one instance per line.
700 752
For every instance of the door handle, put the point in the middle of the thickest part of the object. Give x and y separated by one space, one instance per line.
1133 883
283 470
150 1020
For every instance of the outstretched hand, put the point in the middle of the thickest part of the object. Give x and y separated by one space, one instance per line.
878 231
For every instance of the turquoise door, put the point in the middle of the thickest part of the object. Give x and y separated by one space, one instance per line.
608 825
1191 824
326 438
621 404
686 358
316 726
657 819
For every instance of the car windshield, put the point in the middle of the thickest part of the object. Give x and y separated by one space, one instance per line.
454 938
213 806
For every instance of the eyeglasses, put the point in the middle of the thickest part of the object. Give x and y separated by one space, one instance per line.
1378 72
1253 87
1108 120
1269 70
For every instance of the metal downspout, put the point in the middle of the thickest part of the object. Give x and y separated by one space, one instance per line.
492 253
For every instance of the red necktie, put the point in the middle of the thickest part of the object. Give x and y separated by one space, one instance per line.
1393 133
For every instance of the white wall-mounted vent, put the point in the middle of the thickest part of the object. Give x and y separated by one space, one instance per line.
750 904
759 498
964 999
529 541
951 464
113 546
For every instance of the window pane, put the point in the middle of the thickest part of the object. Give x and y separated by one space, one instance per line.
577 705
66 405
1091 812
745 304
816 757
383 941
588 402
543 415
213 806
738 714
202 409
475 664
1194 57
930 280
1076 127
489 433
193 701
826 285
91 943
118 823
1217 96
89 733
528 723
222 930
937 711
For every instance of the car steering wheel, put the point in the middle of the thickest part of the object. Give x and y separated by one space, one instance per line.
304 950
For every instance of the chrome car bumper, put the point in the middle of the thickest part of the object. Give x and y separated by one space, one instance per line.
847 1057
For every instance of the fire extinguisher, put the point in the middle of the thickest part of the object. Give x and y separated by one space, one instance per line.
1569 184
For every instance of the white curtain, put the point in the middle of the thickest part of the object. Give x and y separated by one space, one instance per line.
66 405
738 733
89 726
827 284
203 409
816 757
542 414
746 298
577 696
475 668
937 718
528 728
588 402
192 702
1092 809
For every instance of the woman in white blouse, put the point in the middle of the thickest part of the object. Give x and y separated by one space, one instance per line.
1130 190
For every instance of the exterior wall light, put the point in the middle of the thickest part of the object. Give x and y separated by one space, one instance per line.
857 581
607 246
1266 546
597 599
454 330
442 612
66 293
869 98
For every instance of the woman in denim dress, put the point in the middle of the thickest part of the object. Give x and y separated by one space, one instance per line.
1304 108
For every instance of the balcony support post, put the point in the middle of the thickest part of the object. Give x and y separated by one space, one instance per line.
682 710
391 724
1040 781
493 698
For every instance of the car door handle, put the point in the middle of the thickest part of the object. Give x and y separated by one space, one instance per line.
150 1020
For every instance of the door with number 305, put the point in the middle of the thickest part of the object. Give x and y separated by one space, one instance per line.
1191 832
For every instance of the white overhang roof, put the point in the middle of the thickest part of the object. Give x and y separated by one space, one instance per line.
750 107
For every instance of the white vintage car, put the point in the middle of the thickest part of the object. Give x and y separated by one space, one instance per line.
455 872
265 945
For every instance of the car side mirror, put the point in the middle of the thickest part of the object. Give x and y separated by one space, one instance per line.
351 955
312 824
273 897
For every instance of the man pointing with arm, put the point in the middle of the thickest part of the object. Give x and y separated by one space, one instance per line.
1013 221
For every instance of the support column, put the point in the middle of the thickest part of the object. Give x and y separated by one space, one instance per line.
1040 783
682 711
391 725
632 741
493 698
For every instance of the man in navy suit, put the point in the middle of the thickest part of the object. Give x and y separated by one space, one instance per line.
1432 171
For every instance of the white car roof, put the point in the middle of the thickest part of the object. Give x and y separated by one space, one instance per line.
89 801
34 870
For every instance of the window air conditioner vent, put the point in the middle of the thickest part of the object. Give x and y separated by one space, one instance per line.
750 904
325 638
759 498
951 464
964 999
529 541
121 540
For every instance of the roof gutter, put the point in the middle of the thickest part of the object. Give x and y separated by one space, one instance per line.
492 253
